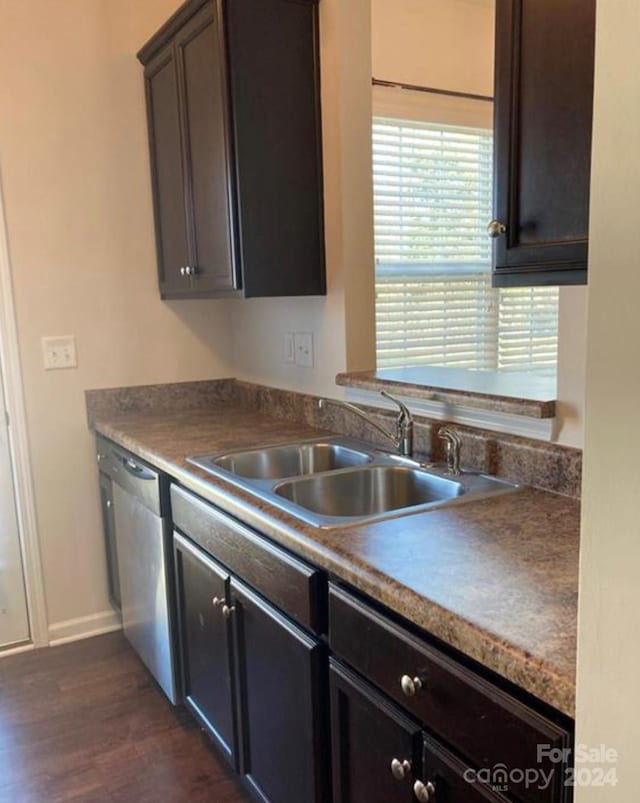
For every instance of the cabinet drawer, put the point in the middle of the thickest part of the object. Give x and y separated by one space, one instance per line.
287 582
484 723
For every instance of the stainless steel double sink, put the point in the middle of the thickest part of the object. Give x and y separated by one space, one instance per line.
339 482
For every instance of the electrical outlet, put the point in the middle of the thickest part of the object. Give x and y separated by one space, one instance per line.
303 344
288 348
59 352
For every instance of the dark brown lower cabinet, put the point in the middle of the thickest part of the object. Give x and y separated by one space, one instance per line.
281 672
205 643
388 718
254 680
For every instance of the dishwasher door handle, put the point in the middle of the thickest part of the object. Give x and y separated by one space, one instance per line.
138 479
139 472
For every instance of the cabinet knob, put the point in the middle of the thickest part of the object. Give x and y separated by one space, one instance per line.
109 502
410 685
190 270
227 610
496 229
183 271
400 769
217 601
424 792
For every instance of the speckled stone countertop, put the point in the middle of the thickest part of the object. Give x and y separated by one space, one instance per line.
496 579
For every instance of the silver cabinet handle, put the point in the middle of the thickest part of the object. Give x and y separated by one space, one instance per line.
227 610
183 271
217 601
190 271
400 769
109 503
496 229
424 792
410 685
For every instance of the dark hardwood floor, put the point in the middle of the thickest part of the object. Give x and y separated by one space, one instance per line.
85 722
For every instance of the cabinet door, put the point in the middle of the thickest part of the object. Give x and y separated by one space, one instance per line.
543 113
203 102
275 94
281 674
376 748
167 171
205 649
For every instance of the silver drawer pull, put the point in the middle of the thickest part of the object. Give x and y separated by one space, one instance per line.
410 685
227 610
217 601
424 792
400 769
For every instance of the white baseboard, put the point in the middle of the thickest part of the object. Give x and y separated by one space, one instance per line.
84 627
5 652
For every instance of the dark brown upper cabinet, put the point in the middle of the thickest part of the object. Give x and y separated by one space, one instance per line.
543 121
233 109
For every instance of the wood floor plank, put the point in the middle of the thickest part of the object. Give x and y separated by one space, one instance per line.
86 722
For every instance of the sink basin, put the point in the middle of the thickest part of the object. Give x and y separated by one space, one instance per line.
339 482
290 460
368 491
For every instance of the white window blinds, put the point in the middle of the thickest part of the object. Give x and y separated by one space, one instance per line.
434 300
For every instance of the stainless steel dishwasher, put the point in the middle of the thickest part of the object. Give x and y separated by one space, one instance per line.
140 502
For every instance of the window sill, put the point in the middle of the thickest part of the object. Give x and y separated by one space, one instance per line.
519 403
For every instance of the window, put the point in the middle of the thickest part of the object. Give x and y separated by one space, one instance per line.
434 300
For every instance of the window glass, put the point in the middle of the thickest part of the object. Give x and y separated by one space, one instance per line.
433 199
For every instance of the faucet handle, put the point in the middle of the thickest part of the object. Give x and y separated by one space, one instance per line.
405 412
454 444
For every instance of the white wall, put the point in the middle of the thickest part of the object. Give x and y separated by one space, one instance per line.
608 647
572 345
446 44
77 191
73 153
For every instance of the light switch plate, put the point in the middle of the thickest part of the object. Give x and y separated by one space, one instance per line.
59 352
303 346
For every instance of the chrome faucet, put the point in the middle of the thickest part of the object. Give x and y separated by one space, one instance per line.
453 445
402 439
